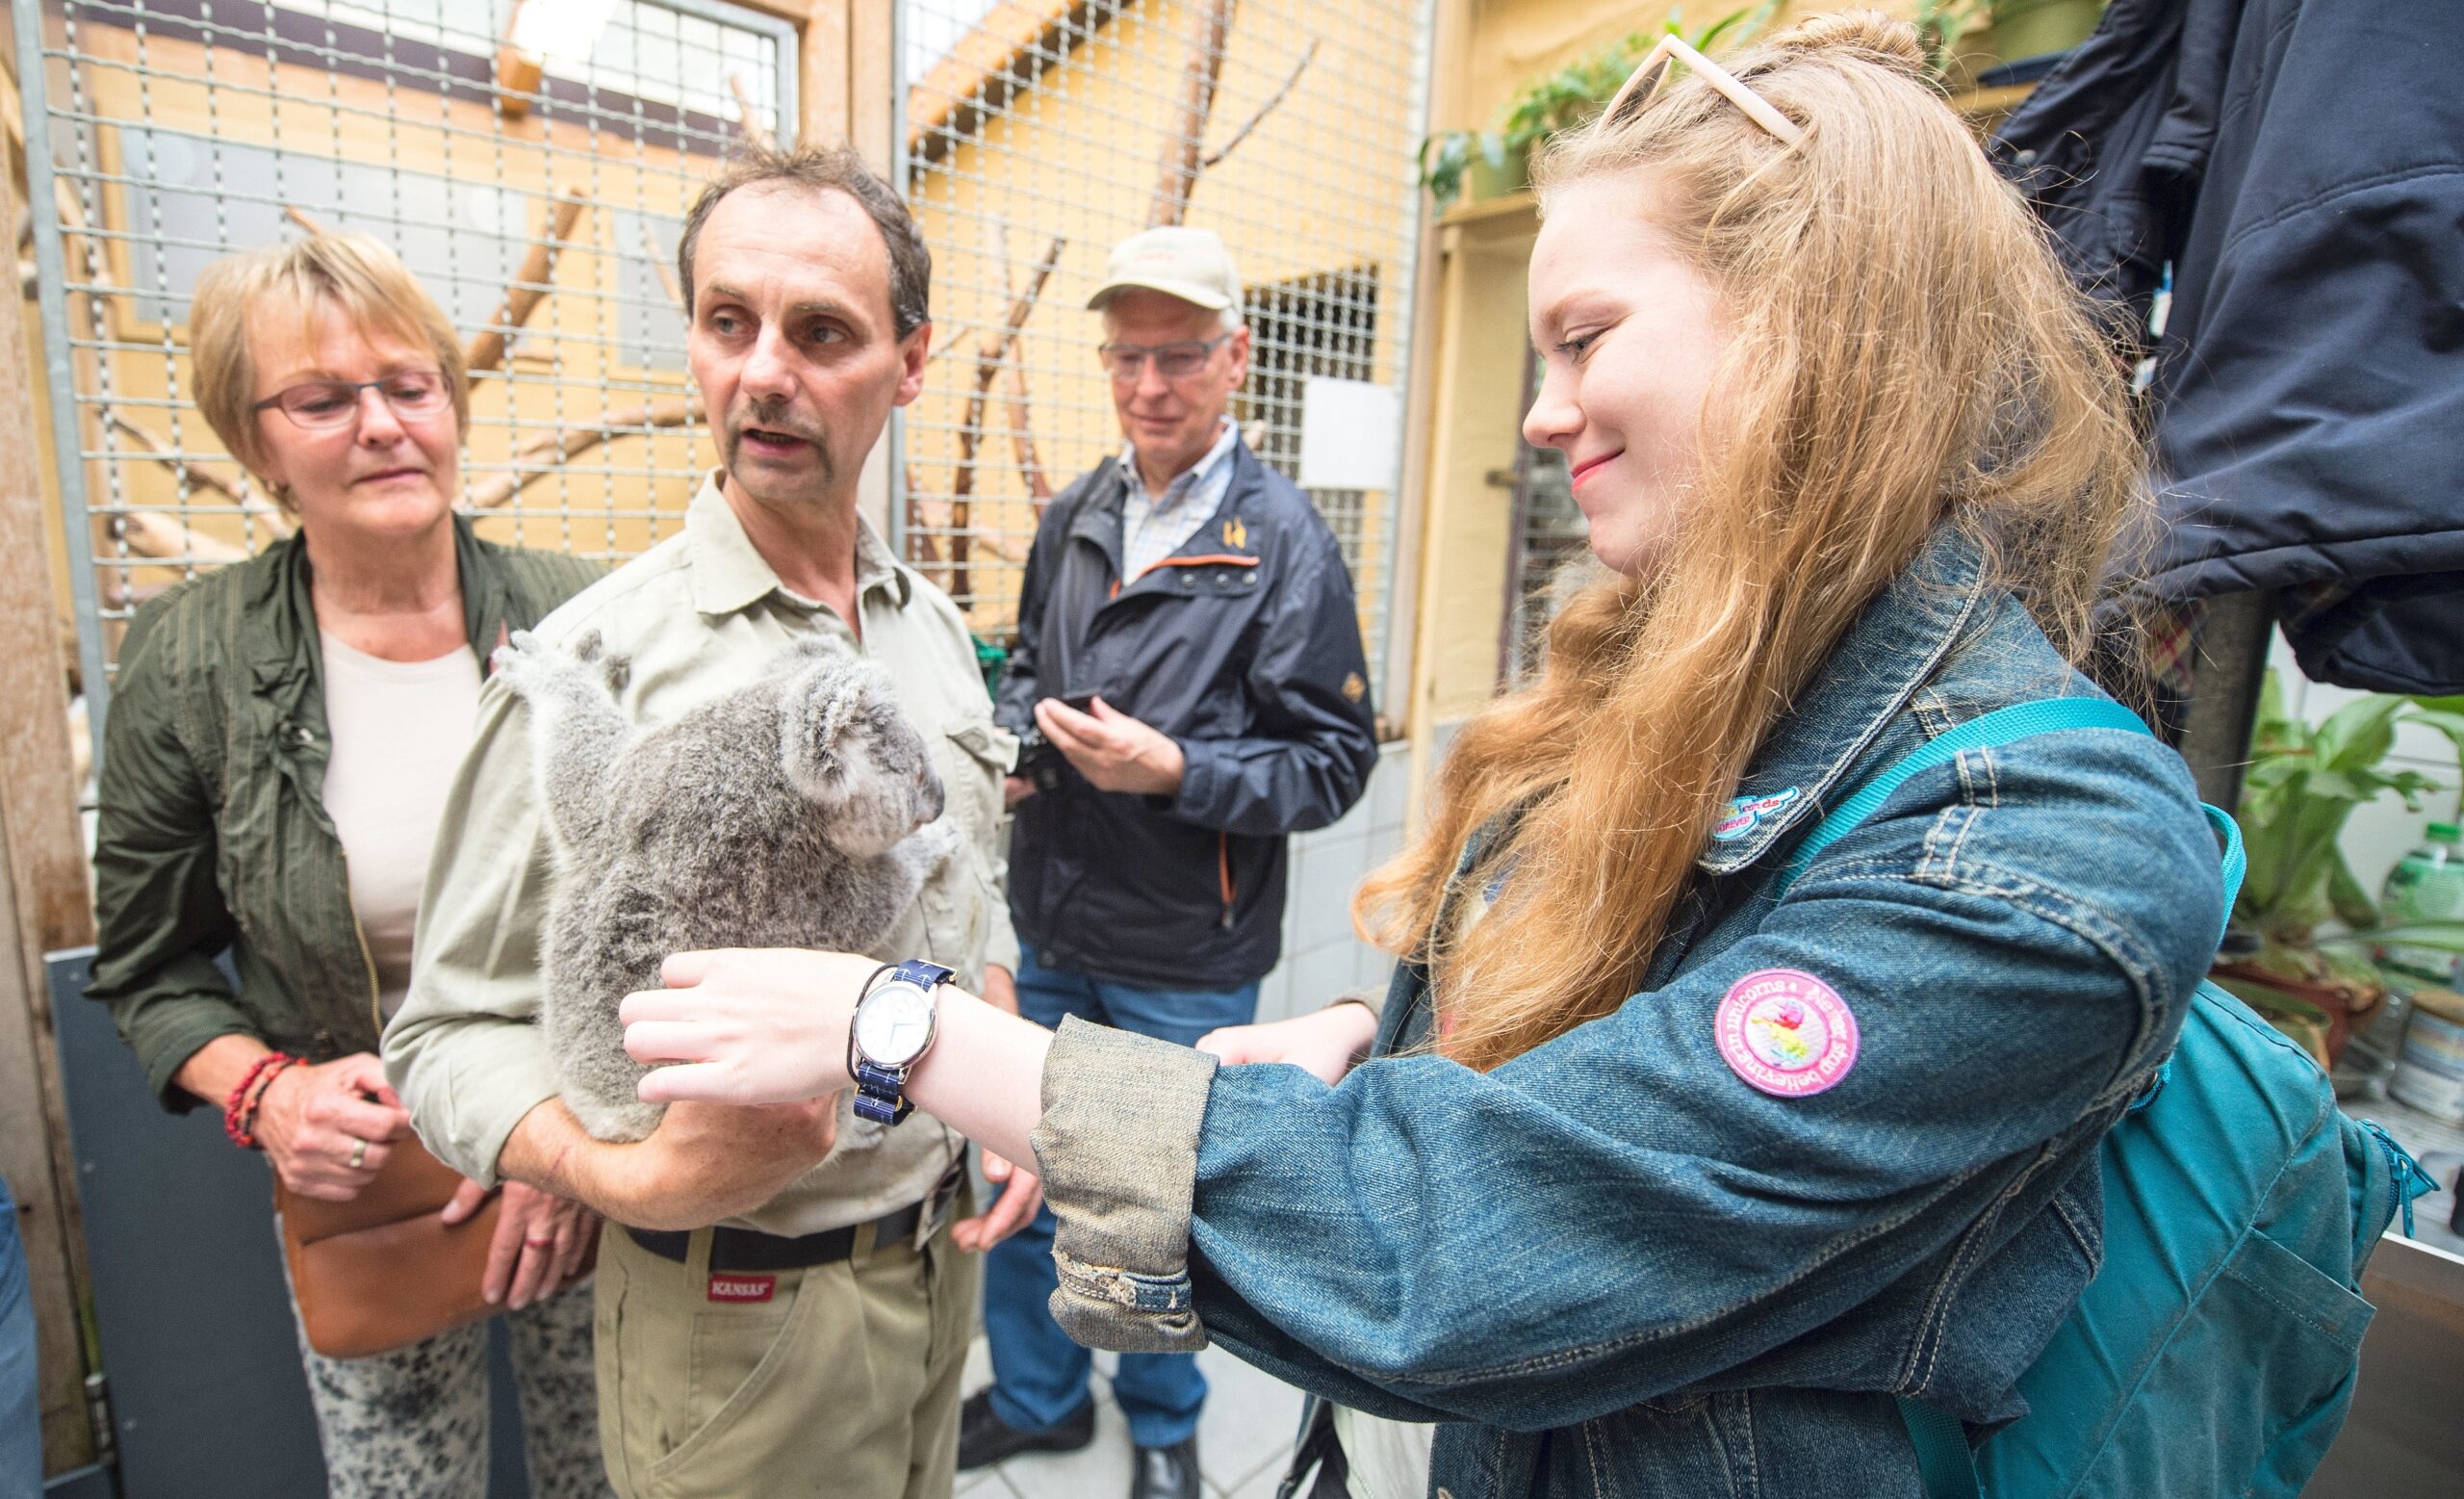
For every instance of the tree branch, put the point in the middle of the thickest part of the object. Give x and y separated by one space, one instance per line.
562 445
1200 71
149 533
530 285
665 267
204 475
1266 109
990 356
747 123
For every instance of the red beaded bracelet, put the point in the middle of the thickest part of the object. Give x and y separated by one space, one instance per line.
239 1110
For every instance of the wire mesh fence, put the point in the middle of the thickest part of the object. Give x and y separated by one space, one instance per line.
532 169
1039 133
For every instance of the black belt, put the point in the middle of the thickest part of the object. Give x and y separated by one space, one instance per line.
748 1249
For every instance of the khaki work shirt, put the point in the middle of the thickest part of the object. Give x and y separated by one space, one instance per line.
701 615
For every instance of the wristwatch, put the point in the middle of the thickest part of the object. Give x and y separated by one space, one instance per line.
894 1025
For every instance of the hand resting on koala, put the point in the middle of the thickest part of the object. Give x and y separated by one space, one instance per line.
800 812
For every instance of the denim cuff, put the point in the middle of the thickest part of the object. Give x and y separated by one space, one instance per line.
1117 1151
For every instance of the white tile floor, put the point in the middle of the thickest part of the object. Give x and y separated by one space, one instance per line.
1243 1439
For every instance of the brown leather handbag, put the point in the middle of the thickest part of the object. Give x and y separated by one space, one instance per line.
383 1270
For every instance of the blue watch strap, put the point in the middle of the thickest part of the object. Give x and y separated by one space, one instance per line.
881 1092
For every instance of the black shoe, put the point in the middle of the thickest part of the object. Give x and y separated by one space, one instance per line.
1165 1472
984 1438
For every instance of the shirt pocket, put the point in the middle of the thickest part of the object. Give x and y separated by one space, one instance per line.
972 755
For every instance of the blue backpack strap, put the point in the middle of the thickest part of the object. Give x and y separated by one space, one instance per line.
1944 1460
2019 721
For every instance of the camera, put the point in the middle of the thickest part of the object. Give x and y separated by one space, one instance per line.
1041 761
1038 762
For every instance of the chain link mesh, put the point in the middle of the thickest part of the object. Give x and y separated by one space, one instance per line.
1039 133
537 195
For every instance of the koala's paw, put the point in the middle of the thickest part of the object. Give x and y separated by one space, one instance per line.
534 671
930 847
526 665
614 670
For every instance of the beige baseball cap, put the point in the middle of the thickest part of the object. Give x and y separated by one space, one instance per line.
1189 263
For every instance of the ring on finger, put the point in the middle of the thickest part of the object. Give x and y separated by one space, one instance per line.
539 1244
358 1154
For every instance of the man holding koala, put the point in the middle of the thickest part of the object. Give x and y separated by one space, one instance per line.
765 1324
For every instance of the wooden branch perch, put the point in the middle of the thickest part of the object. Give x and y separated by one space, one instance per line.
529 286
1022 440
920 545
150 533
989 356
1266 109
748 122
666 268
562 445
1201 70
302 220
203 474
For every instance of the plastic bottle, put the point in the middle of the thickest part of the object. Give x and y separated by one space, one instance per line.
2427 885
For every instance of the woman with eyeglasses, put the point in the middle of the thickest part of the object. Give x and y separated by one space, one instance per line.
281 735
1685 1141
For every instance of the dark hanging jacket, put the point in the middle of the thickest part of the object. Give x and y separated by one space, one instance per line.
1243 646
2300 164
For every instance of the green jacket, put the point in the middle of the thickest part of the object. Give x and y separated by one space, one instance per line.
213 827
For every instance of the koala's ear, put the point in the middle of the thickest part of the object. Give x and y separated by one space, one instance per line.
815 718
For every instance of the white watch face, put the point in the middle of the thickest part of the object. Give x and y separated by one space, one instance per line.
893 1023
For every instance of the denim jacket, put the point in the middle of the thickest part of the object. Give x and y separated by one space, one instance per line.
1614 1266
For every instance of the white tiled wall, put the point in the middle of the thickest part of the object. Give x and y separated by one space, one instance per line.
1321 958
2380 832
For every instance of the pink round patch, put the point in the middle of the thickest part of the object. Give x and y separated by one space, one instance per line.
1787 1033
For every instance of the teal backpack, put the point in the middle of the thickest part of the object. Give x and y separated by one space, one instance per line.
2215 1351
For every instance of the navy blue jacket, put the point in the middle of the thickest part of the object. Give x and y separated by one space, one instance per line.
2297 163
1245 647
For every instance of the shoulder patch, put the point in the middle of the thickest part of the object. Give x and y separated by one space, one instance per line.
1786 1033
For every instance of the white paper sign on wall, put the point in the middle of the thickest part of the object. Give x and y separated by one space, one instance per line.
1350 434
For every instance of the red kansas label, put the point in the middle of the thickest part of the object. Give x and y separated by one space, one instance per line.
742 1288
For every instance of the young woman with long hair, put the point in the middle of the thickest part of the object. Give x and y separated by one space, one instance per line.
1658 1173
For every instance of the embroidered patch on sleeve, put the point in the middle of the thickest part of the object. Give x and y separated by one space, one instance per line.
1787 1032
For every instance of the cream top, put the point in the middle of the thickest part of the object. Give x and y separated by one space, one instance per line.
399 729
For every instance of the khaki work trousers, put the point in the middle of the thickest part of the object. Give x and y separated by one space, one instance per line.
842 1383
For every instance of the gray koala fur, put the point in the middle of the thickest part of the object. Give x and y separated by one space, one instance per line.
800 812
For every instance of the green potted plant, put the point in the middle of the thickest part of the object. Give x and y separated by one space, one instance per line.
2303 785
1487 164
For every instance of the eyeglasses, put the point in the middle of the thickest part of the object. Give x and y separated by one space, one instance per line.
322 405
1173 361
1656 67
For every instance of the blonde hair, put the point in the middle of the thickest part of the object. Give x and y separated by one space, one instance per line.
1906 352
355 274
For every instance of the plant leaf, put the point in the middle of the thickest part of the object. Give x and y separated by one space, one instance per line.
2346 896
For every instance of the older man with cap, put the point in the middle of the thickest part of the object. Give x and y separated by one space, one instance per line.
1190 688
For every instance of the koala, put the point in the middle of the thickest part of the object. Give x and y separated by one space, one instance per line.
800 812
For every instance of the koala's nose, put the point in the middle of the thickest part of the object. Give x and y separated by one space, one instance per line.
928 795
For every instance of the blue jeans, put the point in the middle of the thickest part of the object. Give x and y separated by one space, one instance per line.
1038 1375
21 1416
